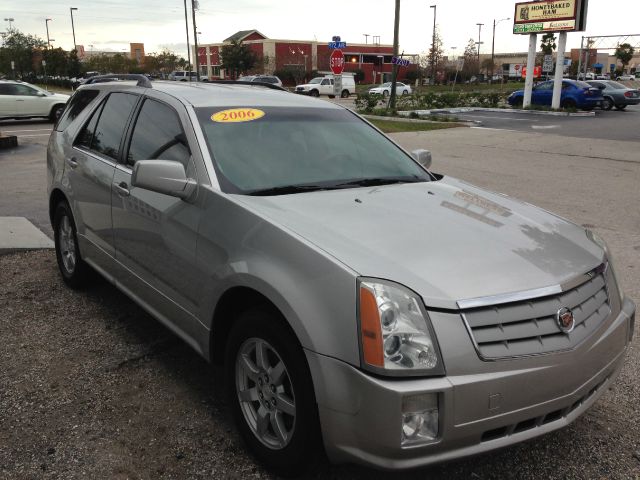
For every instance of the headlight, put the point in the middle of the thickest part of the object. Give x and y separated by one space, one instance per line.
595 238
395 331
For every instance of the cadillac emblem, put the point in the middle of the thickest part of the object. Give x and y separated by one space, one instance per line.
565 320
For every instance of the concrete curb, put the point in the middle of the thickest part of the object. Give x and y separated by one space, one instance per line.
501 110
19 234
417 120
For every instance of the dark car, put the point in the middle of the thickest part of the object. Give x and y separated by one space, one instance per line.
575 94
616 94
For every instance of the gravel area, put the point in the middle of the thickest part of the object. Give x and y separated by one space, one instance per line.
93 387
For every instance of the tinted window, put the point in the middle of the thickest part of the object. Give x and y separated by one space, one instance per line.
114 116
544 86
76 104
158 134
24 90
86 135
7 89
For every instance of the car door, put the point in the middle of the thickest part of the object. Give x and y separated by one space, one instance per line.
89 169
326 86
155 234
7 100
543 93
30 101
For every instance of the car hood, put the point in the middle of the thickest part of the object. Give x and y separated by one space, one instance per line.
308 85
446 240
59 96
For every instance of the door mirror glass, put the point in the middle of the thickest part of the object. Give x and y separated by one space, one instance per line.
423 157
163 176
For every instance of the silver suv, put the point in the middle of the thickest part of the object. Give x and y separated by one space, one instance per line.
359 301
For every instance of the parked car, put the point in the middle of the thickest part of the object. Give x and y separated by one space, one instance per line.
385 89
183 76
605 76
23 100
324 86
586 76
575 94
359 301
272 79
616 94
625 78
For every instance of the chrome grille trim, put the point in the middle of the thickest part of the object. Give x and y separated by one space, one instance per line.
528 327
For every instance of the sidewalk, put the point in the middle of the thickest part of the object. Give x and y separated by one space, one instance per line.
19 234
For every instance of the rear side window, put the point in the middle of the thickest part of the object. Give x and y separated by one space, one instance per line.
80 100
103 132
7 89
158 134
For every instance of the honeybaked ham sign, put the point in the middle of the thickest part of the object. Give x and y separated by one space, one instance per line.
550 16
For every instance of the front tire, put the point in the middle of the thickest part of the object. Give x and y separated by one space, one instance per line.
405 92
607 104
314 93
75 272
56 112
270 392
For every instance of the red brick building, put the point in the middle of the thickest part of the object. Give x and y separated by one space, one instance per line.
373 59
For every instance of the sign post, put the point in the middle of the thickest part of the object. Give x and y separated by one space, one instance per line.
336 62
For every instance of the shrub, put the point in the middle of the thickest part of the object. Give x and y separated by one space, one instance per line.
366 102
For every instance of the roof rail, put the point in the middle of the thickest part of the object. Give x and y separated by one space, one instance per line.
143 81
254 84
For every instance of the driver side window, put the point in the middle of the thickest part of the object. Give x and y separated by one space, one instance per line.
158 134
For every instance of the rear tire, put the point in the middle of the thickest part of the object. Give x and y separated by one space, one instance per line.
270 392
620 107
75 272
385 94
344 94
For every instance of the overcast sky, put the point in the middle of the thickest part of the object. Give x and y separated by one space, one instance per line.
112 24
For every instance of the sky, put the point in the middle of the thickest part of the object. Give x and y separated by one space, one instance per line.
112 24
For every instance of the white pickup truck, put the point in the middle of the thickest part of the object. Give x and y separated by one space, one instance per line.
324 86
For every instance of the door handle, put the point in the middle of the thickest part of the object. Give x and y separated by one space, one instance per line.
72 162
122 189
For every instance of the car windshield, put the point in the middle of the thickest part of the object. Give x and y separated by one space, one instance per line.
616 85
316 80
289 150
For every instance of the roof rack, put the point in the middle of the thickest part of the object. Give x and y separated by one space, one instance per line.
254 84
142 80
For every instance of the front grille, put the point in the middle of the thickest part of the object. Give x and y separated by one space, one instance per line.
530 327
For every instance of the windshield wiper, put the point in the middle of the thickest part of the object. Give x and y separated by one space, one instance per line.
286 189
375 181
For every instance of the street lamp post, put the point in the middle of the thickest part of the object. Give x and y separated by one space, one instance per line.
479 43
9 20
366 38
73 28
433 47
186 26
493 42
46 24
196 58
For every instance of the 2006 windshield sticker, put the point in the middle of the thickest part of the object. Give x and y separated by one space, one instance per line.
235 115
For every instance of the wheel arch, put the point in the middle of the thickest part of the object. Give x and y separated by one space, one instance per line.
55 198
54 106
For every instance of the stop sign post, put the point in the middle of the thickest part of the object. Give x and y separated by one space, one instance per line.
336 62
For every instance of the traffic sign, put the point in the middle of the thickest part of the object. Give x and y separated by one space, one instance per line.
336 62
401 62
334 45
547 64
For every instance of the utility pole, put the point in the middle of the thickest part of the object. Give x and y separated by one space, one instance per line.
73 29
186 26
493 43
46 23
394 76
194 6
433 47
366 38
479 43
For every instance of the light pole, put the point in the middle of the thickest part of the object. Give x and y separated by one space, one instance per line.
46 24
186 26
433 47
73 28
479 43
493 42
194 7
366 38
9 20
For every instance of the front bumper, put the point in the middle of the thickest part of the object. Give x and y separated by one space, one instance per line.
482 405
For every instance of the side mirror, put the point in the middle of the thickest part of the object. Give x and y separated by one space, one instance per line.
163 176
423 157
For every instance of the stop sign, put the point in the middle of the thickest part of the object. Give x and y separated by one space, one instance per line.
336 62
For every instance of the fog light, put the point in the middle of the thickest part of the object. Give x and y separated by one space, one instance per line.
420 419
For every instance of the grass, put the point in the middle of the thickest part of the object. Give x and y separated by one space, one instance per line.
390 126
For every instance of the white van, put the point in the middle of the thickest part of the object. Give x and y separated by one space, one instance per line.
324 86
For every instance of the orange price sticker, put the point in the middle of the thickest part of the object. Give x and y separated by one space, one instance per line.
235 115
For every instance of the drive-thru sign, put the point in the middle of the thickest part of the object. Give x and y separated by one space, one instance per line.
336 62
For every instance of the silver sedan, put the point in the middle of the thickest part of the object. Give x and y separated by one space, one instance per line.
616 94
